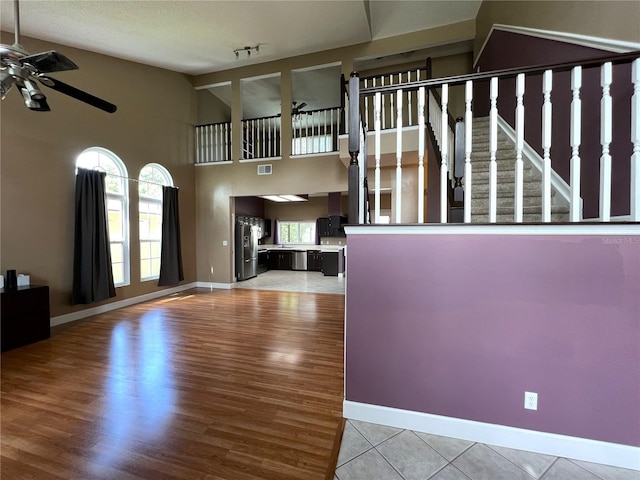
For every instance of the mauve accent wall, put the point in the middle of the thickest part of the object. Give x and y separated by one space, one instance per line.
462 325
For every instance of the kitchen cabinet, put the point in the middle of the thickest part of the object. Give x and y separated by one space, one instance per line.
25 316
332 226
333 263
324 227
314 260
280 260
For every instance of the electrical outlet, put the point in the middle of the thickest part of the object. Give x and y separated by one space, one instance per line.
531 400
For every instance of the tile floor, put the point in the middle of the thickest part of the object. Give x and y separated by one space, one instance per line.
376 452
294 281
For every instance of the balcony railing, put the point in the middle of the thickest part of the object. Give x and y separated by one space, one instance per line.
315 131
213 143
261 137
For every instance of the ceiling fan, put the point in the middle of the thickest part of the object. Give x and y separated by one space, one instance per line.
20 68
297 109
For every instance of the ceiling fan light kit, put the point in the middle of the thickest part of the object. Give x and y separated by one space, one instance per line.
18 67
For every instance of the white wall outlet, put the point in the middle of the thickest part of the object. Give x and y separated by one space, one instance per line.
225 243
531 400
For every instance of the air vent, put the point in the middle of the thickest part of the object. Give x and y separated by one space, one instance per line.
264 169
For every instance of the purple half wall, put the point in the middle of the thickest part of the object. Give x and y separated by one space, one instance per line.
461 325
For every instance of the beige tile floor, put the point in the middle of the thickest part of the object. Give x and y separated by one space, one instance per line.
294 281
376 452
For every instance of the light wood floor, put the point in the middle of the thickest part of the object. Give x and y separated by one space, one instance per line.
238 384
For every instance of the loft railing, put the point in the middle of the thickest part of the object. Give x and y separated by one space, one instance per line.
261 137
627 133
213 142
316 131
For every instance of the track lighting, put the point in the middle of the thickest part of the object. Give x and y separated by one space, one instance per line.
246 50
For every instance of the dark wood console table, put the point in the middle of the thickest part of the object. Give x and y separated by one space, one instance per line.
24 316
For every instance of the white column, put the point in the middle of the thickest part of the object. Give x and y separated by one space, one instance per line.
575 205
635 139
606 128
518 203
399 158
421 155
444 168
547 85
468 142
378 102
493 148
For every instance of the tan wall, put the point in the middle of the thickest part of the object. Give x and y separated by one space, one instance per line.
617 20
39 149
211 109
308 211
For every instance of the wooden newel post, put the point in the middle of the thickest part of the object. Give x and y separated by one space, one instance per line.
354 147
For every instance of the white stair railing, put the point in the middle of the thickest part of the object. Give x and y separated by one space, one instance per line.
213 142
525 199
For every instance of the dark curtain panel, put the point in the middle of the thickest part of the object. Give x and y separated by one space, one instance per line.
171 250
92 274
318 232
276 232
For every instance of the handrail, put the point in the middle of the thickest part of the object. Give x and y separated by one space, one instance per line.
262 118
504 73
396 72
213 124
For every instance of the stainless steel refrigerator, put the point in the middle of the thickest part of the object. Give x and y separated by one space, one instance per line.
246 251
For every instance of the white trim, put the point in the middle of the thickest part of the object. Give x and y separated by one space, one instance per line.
625 229
618 455
610 45
89 312
265 159
212 285
313 155
557 182
206 164
619 218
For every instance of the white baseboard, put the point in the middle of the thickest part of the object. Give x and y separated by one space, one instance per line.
88 312
617 455
223 286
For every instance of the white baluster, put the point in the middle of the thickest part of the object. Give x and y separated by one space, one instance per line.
468 142
575 202
399 158
378 102
409 102
518 203
366 101
391 106
634 209
493 148
226 142
198 144
606 128
444 151
209 143
421 155
547 85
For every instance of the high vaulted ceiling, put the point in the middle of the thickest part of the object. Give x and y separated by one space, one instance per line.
197 37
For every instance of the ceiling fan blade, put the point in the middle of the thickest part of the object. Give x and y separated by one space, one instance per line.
77 94
51 61
301 106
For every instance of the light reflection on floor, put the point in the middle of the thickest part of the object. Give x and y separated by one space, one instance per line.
140 392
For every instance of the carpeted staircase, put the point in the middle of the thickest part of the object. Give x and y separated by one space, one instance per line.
505 159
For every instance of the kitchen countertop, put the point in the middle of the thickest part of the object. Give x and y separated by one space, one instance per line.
323 248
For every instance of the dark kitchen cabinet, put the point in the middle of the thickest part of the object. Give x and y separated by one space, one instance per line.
267 228
280 260
314 260
333 263
25 316
332 226
324 227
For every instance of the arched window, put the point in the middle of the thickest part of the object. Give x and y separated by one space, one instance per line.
117 206
152 178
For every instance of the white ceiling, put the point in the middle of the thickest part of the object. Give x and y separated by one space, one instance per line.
199 36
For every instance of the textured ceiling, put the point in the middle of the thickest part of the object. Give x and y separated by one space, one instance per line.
196 37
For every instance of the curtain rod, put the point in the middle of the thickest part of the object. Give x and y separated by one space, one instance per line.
132 179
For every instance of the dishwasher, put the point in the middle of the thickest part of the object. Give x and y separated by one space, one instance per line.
299 260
